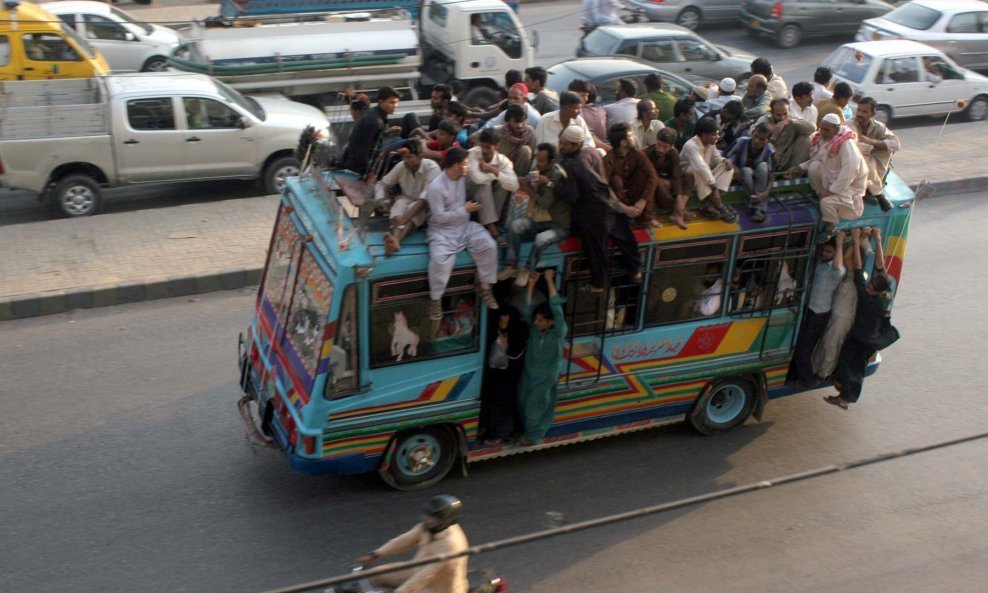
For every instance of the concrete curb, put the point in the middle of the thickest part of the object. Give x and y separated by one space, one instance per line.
22 306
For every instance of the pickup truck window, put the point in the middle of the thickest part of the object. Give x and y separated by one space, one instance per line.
206 114
244 102
151 114
48 47
4 50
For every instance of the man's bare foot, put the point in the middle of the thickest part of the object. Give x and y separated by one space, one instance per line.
391 244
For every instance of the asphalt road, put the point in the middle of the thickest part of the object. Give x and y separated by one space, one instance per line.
557 26
123 467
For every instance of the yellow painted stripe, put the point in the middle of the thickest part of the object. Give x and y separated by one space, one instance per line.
444 388
896 247
740 336
696 228
327 348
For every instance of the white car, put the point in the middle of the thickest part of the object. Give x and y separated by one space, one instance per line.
958 28
127 44
907 78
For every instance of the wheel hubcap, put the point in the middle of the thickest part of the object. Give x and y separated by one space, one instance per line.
158 66
978 110
281 177
725 404
418 455
689 19
78 200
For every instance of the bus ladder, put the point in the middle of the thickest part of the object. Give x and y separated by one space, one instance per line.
613 311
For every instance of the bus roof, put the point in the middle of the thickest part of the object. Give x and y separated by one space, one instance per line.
338 240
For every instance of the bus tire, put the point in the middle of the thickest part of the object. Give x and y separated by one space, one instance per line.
420 458
723 406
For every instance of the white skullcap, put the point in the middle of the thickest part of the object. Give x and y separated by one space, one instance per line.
574 134
728 85
832 118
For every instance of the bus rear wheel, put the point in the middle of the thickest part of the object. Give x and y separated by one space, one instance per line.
723 407
420 458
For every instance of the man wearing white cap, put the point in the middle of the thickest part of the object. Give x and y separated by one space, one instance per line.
595 216
838 173
718 98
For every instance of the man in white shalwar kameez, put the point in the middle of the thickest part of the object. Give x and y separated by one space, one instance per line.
451 231
492 179
838 174
711 172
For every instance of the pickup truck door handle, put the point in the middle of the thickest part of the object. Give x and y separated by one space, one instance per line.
132 141
193 139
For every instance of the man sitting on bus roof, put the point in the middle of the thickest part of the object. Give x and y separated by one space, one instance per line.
406 182
451 231
876 143
631 175
790 136
838 174
367 133
492 181
711 172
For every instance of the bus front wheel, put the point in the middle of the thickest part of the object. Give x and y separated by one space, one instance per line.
725 405
420 458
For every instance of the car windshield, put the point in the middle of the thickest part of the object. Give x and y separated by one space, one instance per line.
245 103
559 77
123 16
849 64
599 43
914 16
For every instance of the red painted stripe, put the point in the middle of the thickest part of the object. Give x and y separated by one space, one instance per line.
704 340
330 331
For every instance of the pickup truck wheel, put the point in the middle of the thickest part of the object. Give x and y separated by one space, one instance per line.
155 64
277 172
77 195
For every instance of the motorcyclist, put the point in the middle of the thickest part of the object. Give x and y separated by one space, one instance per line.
438 533
598 13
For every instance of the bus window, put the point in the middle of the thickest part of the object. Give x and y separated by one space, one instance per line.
687 282
401 330
343 367
282 260
768 272
307 312
614 311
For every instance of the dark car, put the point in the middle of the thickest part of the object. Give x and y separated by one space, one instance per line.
788 21
605 72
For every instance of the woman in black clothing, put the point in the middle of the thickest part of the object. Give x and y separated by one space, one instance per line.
873 303
505 360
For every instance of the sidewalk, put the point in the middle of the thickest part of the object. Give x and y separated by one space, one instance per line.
59 265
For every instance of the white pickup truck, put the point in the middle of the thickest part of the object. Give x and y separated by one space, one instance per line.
66 139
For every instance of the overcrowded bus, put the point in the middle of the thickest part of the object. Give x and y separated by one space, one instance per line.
344 371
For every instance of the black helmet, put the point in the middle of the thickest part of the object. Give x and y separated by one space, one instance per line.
443 510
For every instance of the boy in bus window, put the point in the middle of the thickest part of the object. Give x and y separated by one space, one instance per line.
713 288
827 274
406 182
539 381
451 231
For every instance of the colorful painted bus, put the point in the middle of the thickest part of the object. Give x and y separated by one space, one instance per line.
344 372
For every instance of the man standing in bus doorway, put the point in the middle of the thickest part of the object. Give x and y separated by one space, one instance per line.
437 534
540 378
451 231
595 215
827 275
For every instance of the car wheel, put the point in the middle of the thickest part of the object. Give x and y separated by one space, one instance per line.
788 36
77 195
277 173
724 406
689 18
481 96
978 109
155 64
883 114
421 458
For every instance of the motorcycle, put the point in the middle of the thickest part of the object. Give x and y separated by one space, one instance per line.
481 581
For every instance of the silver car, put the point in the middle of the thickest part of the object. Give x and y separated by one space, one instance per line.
958 28
689 13
127 44
669 47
